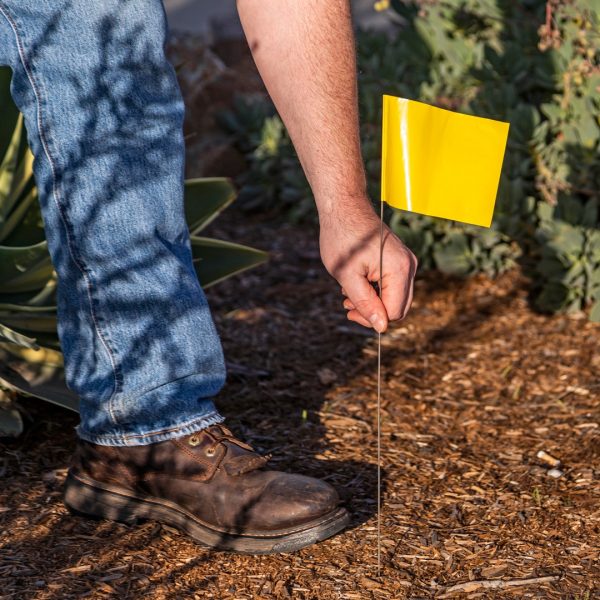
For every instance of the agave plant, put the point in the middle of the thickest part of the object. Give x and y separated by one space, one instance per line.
30 357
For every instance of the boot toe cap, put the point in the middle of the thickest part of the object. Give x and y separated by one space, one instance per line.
290 500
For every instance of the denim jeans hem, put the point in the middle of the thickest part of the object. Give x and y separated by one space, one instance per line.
152 437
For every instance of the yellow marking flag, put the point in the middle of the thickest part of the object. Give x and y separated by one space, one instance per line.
440 163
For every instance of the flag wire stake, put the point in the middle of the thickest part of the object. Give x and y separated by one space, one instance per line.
379 399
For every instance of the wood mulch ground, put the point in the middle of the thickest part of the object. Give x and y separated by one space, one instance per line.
475 386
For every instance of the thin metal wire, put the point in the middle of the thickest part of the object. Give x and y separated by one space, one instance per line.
379 400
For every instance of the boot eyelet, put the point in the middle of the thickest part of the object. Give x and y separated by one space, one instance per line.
210 451
194 440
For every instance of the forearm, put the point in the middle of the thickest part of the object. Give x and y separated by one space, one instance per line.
305 52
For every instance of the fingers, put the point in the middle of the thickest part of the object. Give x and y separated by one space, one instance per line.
348 304
355 316
397 295
364 304
398 287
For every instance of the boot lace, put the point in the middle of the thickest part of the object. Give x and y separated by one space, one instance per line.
237 465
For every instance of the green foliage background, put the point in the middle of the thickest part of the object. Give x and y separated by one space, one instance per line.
535 64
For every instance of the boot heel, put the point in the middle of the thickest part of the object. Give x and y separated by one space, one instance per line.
86 500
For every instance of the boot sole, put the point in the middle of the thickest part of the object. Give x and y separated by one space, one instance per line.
94 499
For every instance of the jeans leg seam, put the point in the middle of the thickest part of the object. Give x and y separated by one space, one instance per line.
85 271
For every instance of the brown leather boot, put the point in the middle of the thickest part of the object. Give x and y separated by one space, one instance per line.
210 485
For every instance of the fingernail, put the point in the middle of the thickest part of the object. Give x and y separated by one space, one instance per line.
377 323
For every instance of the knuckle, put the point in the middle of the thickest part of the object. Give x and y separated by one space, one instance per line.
406 261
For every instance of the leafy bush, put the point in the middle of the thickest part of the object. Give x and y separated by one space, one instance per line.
274 181
535 64
30 357
494 59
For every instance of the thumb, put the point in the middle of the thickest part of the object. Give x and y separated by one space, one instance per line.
366 301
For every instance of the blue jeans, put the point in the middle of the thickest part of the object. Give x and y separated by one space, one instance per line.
104 116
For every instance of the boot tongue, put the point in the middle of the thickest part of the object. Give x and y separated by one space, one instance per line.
241 457
220 433
238 465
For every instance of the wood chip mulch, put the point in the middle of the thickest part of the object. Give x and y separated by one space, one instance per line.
491 449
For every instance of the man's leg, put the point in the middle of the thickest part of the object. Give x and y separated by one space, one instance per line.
104 115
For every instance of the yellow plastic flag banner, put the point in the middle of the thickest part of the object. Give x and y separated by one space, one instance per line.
440 163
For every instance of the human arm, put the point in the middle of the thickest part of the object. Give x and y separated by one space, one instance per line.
305 52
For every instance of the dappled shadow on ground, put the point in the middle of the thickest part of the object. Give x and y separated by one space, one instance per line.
475 384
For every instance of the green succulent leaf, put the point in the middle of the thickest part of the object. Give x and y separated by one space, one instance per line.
215 260
8 110
8 170
24 269
17 215
29 321
595 312
552 268
12 336
205 199
453 256
36 378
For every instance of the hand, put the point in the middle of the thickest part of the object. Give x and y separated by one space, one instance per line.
350 252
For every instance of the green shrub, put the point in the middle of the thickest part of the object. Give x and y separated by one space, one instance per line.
494 59
274 181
